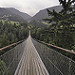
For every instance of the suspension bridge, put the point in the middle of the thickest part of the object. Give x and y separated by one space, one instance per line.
33 58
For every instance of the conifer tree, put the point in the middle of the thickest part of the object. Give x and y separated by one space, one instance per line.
63 22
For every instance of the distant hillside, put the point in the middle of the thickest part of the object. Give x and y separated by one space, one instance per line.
12 14
25 16
42 14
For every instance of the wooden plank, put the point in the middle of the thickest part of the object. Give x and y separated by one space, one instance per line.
31 62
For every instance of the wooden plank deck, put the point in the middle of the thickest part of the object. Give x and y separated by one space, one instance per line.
31 63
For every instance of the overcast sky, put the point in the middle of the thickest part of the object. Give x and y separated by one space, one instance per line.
29 6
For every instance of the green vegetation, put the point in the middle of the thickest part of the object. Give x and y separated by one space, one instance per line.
11 32
38 23
12 22
45 23
61 31
3 67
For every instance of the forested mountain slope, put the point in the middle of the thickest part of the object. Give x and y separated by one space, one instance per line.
12 14
42 14
25 16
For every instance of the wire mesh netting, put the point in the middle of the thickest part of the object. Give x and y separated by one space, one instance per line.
9 61
56 63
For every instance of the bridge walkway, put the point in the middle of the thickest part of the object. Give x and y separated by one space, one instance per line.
31 63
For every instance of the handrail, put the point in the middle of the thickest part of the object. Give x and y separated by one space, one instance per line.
11 45
66 50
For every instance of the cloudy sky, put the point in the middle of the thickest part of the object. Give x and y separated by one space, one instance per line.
29 6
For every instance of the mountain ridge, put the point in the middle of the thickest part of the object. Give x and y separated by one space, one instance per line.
25 16
12 14
42 14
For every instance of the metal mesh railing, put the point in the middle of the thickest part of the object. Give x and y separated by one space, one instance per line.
9 61
55 62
